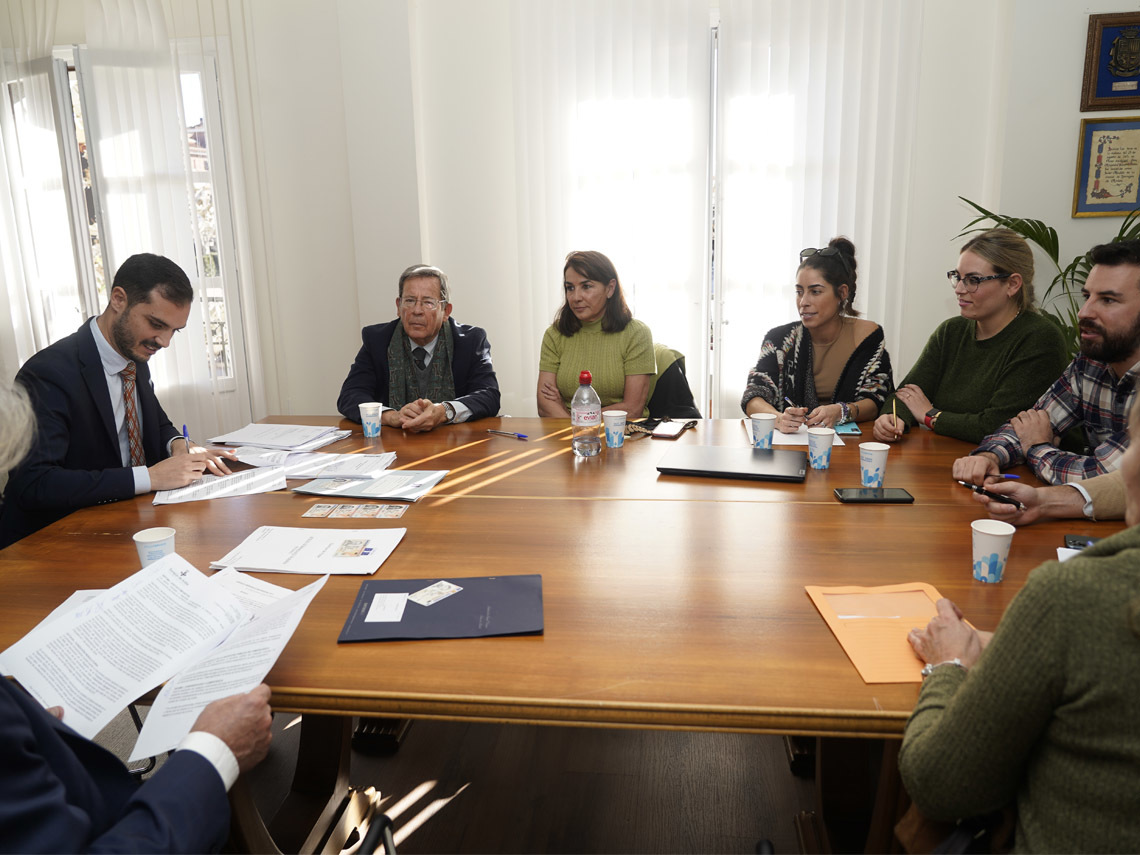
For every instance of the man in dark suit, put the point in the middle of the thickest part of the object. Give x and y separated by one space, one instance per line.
60 792
101 434
425 369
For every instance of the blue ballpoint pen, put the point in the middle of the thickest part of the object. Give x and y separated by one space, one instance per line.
506 433
186 437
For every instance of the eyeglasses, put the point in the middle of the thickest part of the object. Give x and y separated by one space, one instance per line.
428 304
826 252
972 280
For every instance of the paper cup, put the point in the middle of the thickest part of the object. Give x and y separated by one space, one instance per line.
820 441
154 543
991 548
370 418
762 425
615 427
873 462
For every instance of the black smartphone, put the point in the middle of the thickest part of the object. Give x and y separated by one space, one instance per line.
1079 541
671 430
997 497
874 495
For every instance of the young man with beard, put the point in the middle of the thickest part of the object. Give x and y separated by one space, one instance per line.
1096 391
101 434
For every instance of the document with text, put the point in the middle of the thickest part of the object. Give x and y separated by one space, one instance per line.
287 437
244 483
337 551
405 485
101 655
236 665
318 464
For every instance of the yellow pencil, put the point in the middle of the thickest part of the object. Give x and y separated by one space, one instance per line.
894 418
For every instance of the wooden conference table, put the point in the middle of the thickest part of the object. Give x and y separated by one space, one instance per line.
669 602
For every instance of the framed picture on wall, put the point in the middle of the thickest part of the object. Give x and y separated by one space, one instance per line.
1112 63
1108 167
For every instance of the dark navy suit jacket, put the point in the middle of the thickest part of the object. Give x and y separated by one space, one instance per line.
75 460
475 384
60 792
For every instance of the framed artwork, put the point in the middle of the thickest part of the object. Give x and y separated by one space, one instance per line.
1108 167
1112 63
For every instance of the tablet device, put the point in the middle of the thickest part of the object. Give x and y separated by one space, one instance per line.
750 464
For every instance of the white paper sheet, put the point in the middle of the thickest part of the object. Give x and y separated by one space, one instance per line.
313 464
237 665
244 483
406 485
276 436
96 659
338 551
800 437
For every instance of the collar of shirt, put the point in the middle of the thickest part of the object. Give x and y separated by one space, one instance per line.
430 348
113 361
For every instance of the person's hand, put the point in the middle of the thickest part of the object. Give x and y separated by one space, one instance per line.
946 637
243 722
55 712
422 415
1028 496
976 468
390 418
824 416
1032 427
888 428
549 391
790 419
915 400
177 471
215 457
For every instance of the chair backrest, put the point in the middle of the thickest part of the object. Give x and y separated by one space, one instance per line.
669 394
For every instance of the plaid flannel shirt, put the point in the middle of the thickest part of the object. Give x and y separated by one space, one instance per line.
1087 393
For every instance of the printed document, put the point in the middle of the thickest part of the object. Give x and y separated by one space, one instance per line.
317 464
406 485
337 551
103 654
288 437
236 665
244 483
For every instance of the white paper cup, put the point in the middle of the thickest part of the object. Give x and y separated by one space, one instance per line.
762 425
154 543
820 441
873 462
991 548
615 427
370 418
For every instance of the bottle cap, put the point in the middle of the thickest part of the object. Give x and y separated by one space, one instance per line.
585 378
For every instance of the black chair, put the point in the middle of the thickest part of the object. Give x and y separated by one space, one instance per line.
669 395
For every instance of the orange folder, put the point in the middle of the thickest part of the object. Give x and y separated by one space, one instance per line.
871 624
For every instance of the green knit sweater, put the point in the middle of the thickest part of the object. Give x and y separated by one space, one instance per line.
609 357
980 385
1049 716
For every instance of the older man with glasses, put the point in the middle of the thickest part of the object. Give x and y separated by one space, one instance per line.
425 369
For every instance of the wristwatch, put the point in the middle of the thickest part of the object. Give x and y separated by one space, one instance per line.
931 417
449 412
929 667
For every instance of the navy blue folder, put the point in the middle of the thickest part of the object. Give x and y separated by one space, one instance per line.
487 606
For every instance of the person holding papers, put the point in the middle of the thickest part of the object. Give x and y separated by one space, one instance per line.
101 434
994 359
425 369
1043 713
830 367
60 792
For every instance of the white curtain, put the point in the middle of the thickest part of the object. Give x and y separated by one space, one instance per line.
611 135
817 102
39 298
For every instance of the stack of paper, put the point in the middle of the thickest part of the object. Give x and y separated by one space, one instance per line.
283 437
318 464
407 485
280 549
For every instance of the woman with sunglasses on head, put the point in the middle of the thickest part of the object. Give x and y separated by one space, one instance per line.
830 367
982 368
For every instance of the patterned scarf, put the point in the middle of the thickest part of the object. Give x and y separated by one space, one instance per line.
403 382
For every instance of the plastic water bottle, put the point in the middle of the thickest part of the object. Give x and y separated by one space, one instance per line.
586 418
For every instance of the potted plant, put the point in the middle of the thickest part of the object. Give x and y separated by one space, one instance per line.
1062 299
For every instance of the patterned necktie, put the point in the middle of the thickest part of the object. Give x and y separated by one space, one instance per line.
418 355
134 433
